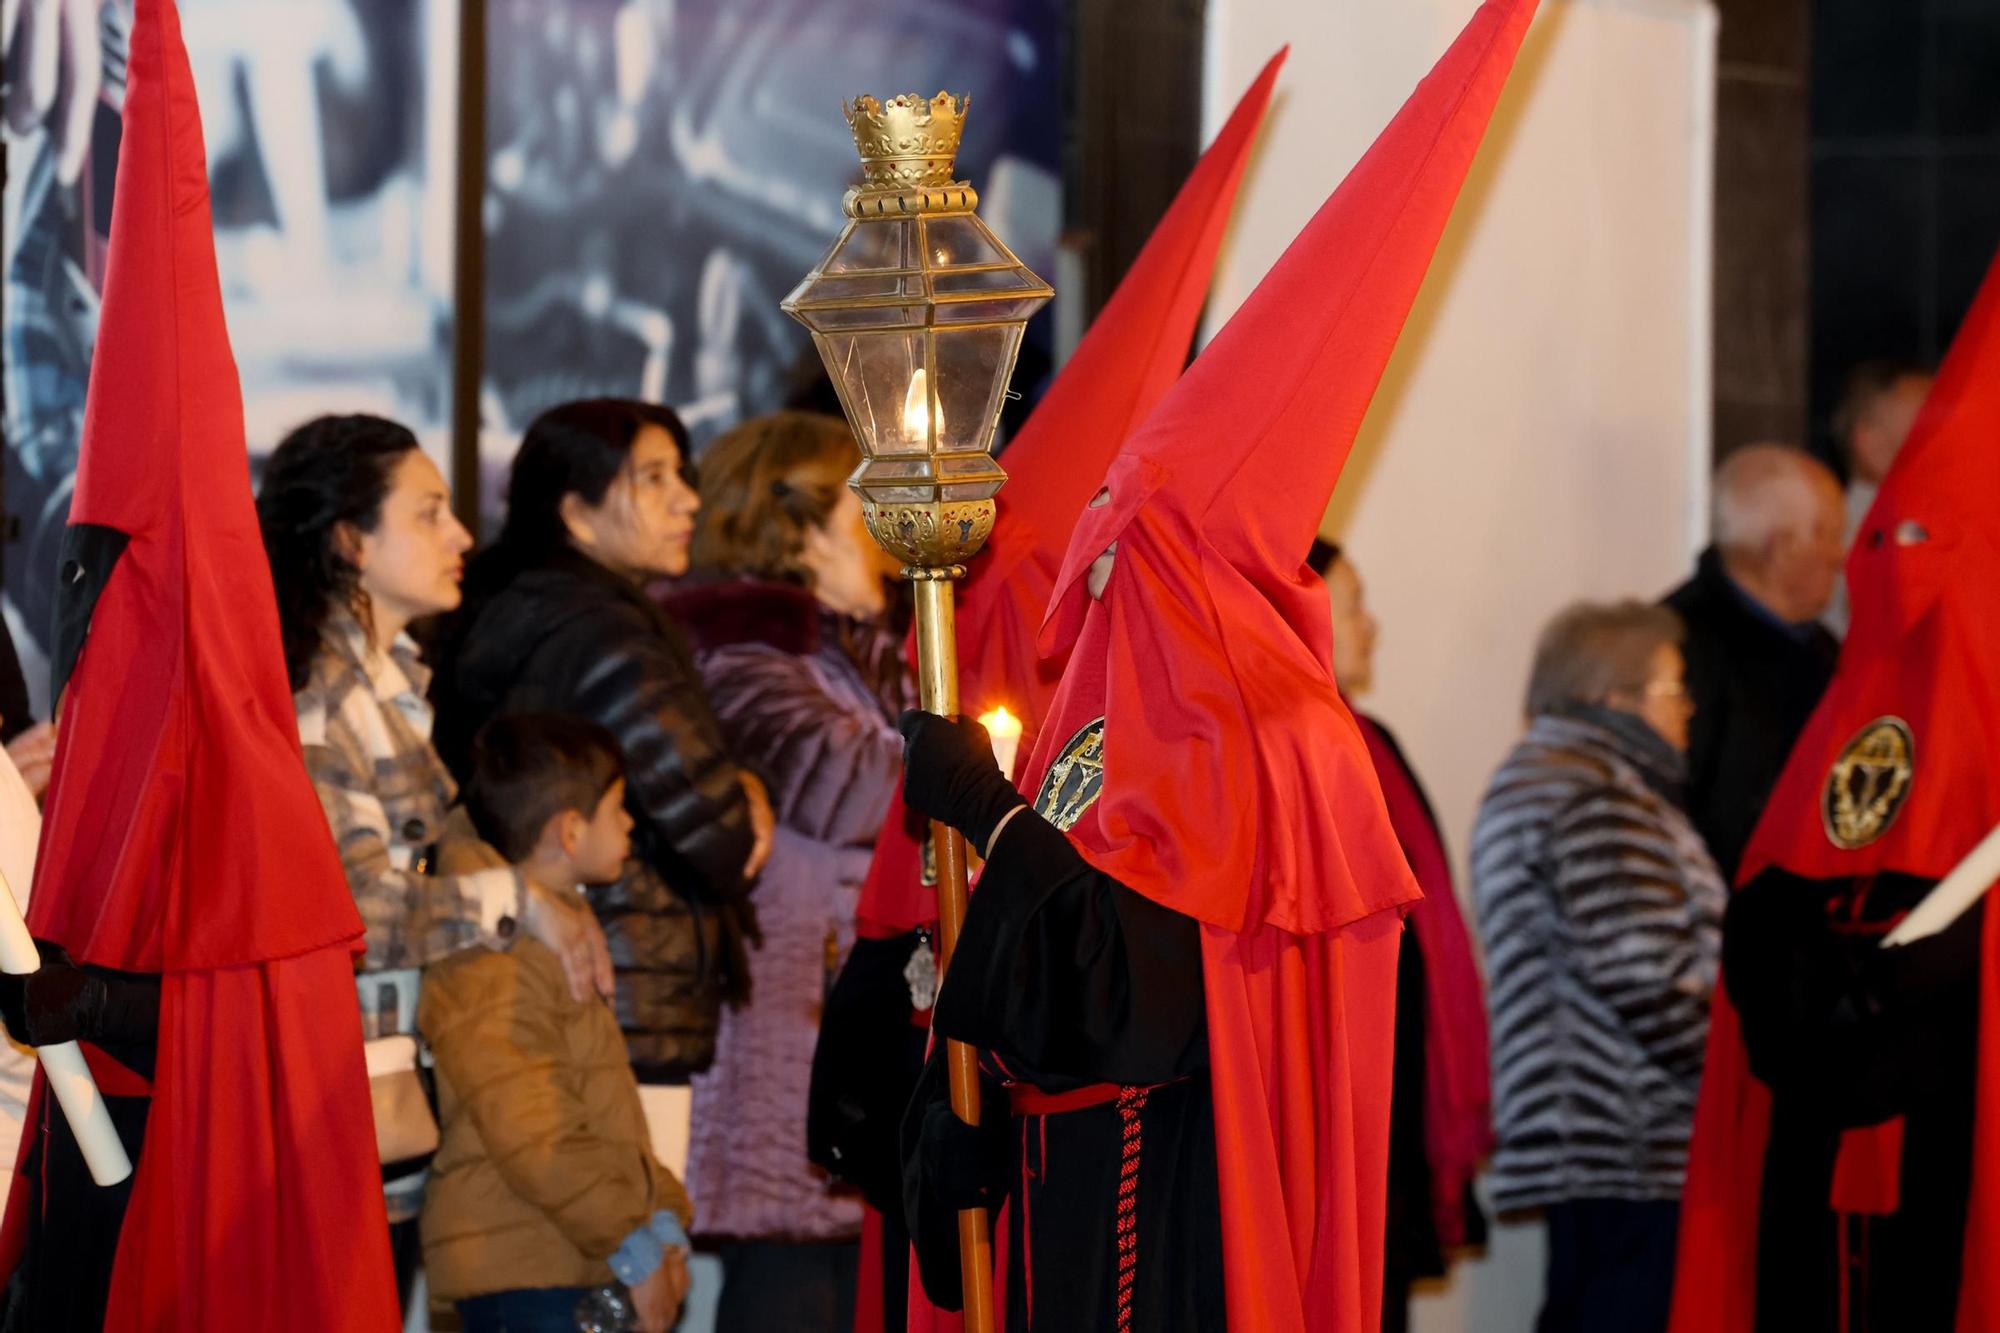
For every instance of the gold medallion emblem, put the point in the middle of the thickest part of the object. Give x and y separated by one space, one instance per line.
1074 779
1869 783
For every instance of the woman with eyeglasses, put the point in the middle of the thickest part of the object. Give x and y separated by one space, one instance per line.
1602 916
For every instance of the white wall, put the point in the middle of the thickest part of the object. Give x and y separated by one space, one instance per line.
1542 434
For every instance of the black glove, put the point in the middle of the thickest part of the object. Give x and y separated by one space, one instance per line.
965 1165
56 1003
949 773
949 1165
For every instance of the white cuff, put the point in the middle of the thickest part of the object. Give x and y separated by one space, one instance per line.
502 900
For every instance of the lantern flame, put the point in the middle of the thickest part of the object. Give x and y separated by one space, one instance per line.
921 409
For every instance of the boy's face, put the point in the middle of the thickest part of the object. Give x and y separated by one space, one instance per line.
606 839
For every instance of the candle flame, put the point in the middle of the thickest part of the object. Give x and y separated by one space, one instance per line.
921 409
1005 729
999 722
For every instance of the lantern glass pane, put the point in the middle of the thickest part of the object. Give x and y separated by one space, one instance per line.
972 368
897 480
874 244
959 239
1017 310
969 477
875 373
909 286
983 281
854 318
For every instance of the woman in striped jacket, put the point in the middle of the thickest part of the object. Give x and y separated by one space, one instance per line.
1602 916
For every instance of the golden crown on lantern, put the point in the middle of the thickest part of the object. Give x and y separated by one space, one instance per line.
908 143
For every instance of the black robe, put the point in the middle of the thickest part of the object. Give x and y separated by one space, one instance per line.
1063 979
866 1064
1847 1034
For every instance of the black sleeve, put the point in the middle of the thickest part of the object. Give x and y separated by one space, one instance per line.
1068 976
864 1069
129 1030
681 782
14 715
1713 796
1830 1017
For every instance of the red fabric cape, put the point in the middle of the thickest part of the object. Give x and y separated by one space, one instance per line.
1133 352
1924 646
1220 693
1458 1094
1237 788
181 833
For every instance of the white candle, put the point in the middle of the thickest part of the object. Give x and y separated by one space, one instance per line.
1955 893
1005 729
63 1065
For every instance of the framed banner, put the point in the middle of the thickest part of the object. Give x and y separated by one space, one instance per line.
658 175
332 154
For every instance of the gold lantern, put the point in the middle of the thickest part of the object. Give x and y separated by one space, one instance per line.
917 311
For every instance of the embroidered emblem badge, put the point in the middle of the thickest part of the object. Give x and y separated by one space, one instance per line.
1870 781
1074 779
921 972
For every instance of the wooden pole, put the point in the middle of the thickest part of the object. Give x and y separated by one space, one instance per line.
937 681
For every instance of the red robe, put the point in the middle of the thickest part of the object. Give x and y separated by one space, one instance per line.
1924 647
182 835
1458 1095
1237 789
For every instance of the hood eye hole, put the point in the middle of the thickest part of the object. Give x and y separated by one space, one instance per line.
1911 533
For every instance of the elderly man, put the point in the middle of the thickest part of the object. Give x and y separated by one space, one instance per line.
1758 659
1878 405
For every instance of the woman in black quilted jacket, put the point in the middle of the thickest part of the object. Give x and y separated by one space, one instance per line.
600 501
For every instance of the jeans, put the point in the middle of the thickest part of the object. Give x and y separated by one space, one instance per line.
1611 1266
773 1285
529 1310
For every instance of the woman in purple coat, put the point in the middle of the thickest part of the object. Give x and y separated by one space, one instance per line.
787 620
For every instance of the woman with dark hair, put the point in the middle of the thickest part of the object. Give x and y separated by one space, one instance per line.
1602 914
807 681
601 501
1441 1113
358 527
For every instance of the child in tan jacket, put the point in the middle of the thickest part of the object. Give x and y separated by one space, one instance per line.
544 1187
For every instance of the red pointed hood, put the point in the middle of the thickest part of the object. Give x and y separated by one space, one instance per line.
179 798
1924 642
1918 682
182 835
1129 358
1224 731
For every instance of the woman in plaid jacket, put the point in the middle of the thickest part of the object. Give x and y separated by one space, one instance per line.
358 527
